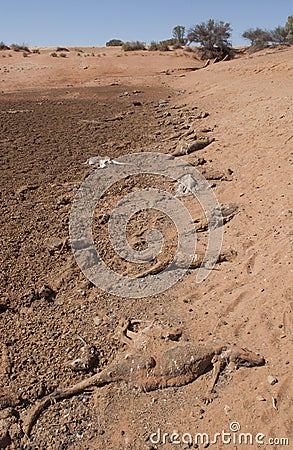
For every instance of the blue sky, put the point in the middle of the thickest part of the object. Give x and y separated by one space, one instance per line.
89 22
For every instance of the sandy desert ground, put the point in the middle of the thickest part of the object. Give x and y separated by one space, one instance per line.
55 113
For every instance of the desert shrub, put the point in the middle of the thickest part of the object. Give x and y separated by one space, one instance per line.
169 42
63 55
18 48
62 49
177 46
215 53
255 35
36 50
161 46
164 46
114 43
54 54
259 39
134 45
279 35
3 46
154 46
211 35
25 54
189 49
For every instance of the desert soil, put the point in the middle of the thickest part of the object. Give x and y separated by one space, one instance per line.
55 113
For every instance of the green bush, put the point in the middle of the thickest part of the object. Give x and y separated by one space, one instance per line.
164 46
289 30
259 39
62 49
178 34
54 55
154 46
3 46
63 55
189 50
18 48
25 54
114 43
177 46
161 46
211 35
36 50
133 45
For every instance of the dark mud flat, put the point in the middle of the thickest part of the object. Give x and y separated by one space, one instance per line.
44 143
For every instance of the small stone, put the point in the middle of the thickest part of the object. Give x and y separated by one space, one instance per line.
47 293
206 445
272 380
4 433
3 307
97 320
136 103
260 398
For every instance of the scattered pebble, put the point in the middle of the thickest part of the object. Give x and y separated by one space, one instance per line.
260 398
47 292
97 320
272 380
